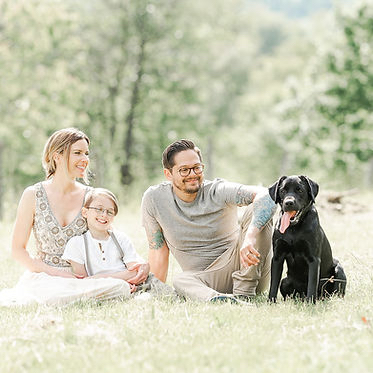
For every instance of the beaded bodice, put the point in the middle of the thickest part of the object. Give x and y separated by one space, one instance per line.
50 236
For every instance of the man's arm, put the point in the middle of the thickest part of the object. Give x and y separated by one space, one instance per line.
158 254
263 210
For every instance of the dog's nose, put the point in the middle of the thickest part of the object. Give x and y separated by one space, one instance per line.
289 202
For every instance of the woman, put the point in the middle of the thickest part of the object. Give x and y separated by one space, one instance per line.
52 208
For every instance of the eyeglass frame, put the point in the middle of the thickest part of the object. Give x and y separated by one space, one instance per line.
190 170
102 211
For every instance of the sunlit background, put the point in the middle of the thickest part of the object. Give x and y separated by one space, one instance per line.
264 88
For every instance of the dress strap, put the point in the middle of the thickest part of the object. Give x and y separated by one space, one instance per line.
112 235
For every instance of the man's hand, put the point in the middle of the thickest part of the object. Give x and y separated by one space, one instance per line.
248 254
142 270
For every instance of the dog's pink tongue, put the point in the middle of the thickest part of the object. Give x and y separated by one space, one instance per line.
285 220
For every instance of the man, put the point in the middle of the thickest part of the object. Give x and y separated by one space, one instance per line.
197 221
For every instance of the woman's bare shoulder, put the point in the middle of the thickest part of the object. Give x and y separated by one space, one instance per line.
28 194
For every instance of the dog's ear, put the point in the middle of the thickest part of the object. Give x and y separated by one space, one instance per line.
313 187
273 189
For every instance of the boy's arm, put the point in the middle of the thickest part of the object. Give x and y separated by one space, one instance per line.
123 275
141 270
78 269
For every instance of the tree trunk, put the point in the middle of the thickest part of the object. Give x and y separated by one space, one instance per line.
114 92
126 174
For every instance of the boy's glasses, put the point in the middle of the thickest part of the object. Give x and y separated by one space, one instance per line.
101 211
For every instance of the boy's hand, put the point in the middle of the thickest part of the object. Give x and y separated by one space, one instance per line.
142 270
77 275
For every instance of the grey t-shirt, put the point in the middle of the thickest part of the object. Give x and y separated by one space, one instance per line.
196 232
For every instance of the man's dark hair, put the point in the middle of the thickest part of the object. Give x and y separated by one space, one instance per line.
168 156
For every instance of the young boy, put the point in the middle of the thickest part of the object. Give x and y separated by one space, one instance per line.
101 252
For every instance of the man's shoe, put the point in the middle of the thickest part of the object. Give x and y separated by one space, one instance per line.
244 298
224 299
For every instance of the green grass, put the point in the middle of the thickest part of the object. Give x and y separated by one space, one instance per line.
174 336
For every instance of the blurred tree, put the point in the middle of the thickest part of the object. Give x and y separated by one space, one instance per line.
242 81
324 121
38 93
346 100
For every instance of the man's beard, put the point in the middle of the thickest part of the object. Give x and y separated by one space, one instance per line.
192 190
189 190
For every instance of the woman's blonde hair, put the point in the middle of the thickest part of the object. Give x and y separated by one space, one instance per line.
60 142
94 192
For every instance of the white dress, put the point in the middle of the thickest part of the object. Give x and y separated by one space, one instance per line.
51 239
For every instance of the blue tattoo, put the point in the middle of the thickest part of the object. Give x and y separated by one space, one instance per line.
263 210
157 240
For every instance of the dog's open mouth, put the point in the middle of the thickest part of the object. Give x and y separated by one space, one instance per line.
286 218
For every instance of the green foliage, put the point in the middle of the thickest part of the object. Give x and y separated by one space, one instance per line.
324 117
252 87
347 97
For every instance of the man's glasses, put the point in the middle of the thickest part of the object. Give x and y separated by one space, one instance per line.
185 171
101 211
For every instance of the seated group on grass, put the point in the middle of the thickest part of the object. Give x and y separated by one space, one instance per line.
81 256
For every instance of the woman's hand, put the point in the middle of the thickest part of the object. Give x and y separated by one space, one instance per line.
142 270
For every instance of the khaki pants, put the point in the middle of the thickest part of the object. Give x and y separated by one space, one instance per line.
226 275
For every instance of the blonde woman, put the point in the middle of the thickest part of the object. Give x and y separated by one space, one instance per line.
52 209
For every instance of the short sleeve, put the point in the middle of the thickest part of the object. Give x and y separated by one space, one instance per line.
235 193
149 221
74 250
130 254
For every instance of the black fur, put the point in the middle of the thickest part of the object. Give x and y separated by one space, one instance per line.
312 271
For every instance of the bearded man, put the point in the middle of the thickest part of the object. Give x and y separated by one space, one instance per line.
196 219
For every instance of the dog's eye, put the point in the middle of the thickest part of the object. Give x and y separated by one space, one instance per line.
299 190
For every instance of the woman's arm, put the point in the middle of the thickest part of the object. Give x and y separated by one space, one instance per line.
21 234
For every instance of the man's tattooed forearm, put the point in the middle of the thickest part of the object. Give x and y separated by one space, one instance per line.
243 199
157 240
263 210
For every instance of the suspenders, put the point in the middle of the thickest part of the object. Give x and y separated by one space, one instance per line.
112 235
88 265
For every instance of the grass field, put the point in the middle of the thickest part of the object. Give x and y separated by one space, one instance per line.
174 336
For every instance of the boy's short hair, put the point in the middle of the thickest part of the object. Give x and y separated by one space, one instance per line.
168 156
94 192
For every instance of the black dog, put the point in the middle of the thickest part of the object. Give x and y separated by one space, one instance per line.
299 239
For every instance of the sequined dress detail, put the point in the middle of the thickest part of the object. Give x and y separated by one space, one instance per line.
51 237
